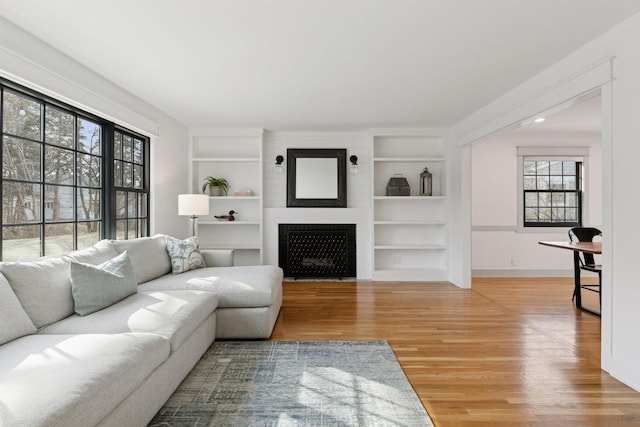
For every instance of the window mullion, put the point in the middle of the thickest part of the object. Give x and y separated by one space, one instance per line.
43 236
109 194
75 180
1 163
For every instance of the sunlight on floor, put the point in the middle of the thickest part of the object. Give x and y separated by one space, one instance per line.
329 390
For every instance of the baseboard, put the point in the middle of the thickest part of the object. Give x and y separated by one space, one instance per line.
521 273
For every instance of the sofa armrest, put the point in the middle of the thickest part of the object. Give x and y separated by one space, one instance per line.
217 257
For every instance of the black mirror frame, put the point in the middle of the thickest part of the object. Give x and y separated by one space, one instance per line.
333 153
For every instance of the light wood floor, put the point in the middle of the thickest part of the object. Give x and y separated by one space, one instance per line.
509 352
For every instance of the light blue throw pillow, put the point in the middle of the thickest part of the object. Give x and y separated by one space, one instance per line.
185 254
95 287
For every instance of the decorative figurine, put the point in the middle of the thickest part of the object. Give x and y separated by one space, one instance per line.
229 217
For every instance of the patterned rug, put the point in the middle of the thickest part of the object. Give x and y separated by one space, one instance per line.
295 383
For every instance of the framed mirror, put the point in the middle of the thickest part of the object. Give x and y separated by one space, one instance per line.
316 178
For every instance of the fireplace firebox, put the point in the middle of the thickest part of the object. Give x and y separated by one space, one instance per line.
317 250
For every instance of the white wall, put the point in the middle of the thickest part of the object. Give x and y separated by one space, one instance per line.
32 63
499 248
169 177
619 80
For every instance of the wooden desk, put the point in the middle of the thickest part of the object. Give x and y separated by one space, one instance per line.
577 247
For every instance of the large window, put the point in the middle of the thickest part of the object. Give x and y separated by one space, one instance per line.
552 192
55 159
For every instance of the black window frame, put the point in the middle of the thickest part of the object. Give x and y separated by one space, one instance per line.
577 192
141 216
108 193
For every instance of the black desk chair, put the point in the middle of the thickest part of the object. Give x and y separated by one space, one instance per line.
587 261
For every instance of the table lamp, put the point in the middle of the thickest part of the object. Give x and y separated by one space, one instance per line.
193 205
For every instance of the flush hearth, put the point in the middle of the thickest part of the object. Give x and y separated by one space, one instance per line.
317 250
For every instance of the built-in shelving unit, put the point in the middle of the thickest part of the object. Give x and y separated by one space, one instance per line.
408 235
237 156
409 232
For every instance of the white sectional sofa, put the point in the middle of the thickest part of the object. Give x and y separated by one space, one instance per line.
116 366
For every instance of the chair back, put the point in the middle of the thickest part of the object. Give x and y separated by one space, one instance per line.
584 234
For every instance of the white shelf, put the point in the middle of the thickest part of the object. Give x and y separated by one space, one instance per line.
414 274
409 159
236 156
234 197
410 247
409 222
413 198
233 246
409 233
229 223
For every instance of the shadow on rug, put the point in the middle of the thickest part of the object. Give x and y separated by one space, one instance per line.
295 383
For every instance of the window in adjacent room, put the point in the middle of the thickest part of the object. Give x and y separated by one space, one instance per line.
552 192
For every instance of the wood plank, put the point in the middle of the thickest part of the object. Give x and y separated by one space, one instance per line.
509 352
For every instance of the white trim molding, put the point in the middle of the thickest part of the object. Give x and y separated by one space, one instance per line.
522 273
532 98
28 61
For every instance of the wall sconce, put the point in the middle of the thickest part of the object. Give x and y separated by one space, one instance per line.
277 168
353 168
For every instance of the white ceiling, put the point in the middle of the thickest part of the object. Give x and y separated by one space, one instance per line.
317 64
580 115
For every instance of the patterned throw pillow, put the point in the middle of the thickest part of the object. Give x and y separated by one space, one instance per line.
185 254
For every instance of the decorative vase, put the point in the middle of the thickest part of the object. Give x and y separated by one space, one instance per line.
216 191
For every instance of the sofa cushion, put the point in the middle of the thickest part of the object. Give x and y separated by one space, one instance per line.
94 255
240 286
95 287
185 254
62 380
148 256
217 257
42 287
172 314
14 321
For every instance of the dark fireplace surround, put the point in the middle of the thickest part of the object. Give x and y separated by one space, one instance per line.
318 251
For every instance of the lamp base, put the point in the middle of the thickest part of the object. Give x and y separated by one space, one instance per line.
194 226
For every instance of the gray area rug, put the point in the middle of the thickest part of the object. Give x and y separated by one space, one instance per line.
295 383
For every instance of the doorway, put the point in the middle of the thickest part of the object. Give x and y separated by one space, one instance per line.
500 245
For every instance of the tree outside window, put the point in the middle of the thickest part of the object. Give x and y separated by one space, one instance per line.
53 176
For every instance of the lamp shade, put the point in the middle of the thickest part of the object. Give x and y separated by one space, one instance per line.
193 204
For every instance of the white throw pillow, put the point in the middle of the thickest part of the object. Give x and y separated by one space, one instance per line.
14 321
148 256
185 254
95 287
100 252
42 287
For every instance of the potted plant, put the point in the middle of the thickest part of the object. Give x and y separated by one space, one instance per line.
217 186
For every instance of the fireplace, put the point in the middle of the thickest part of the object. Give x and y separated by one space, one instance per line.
317 250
